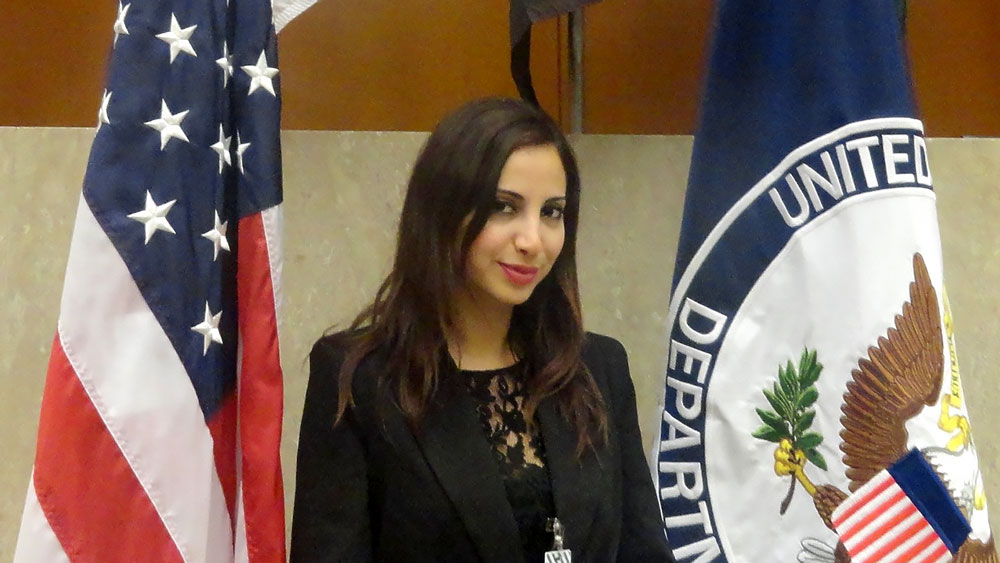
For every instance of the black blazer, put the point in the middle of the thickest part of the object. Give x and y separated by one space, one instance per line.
368 489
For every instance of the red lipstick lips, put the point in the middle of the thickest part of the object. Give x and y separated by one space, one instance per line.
519 275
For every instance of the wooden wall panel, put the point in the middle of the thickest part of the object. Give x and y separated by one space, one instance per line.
399 65
644 62
955 59
54 55
392 65
345 64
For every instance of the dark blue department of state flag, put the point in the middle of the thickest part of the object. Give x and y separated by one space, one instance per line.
811 343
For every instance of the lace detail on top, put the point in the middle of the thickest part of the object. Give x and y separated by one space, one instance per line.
520 454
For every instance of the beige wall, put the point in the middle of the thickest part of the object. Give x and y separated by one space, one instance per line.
343 191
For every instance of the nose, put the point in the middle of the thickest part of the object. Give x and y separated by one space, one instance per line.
528 239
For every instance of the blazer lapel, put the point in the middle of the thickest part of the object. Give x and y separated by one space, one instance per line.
577 485
458 453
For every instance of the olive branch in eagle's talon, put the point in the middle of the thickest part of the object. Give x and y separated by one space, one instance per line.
792 398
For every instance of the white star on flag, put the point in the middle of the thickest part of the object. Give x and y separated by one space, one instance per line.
178 39
119 26
223 148
169 125
154 216
225 62
218 236
102 114
209 328
260 75
240 149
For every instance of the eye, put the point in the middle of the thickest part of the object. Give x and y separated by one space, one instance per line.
501 206
553 211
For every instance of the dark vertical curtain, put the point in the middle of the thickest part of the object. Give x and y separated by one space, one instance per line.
523 14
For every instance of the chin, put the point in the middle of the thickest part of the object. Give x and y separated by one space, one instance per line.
514 296
514 299
517 302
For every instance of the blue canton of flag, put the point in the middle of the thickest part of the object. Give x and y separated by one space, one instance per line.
186 145
811 341
166 360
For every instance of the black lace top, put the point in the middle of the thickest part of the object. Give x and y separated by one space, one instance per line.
500 395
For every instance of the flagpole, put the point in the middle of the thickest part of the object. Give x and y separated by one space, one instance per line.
576 69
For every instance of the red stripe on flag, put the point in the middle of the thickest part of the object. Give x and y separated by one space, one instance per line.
878 511
910 554
876 532
902 535
260 396
858 502
222 426
938 553
84 484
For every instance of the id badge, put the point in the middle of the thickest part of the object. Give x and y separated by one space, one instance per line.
557 554
560 556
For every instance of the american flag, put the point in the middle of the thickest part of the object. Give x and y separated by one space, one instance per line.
903 514
160 423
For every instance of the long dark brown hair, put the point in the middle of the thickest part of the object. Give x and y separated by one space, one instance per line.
455 175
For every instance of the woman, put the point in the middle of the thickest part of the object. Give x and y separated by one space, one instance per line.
466 409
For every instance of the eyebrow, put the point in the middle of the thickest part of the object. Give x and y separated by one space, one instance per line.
519 197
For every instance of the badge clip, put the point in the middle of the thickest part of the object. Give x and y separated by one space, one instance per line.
557 554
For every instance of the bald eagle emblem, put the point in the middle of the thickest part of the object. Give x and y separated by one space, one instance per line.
901 376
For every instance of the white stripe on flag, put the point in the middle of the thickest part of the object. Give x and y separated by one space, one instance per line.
886 509
927 555
933 553
36 541
272 220
286 10
925 532
880 524
107 329
887 536
878 527
878 481
241 550
242 554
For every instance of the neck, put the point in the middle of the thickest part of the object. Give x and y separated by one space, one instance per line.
478 338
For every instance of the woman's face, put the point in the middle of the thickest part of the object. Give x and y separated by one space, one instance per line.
525 232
